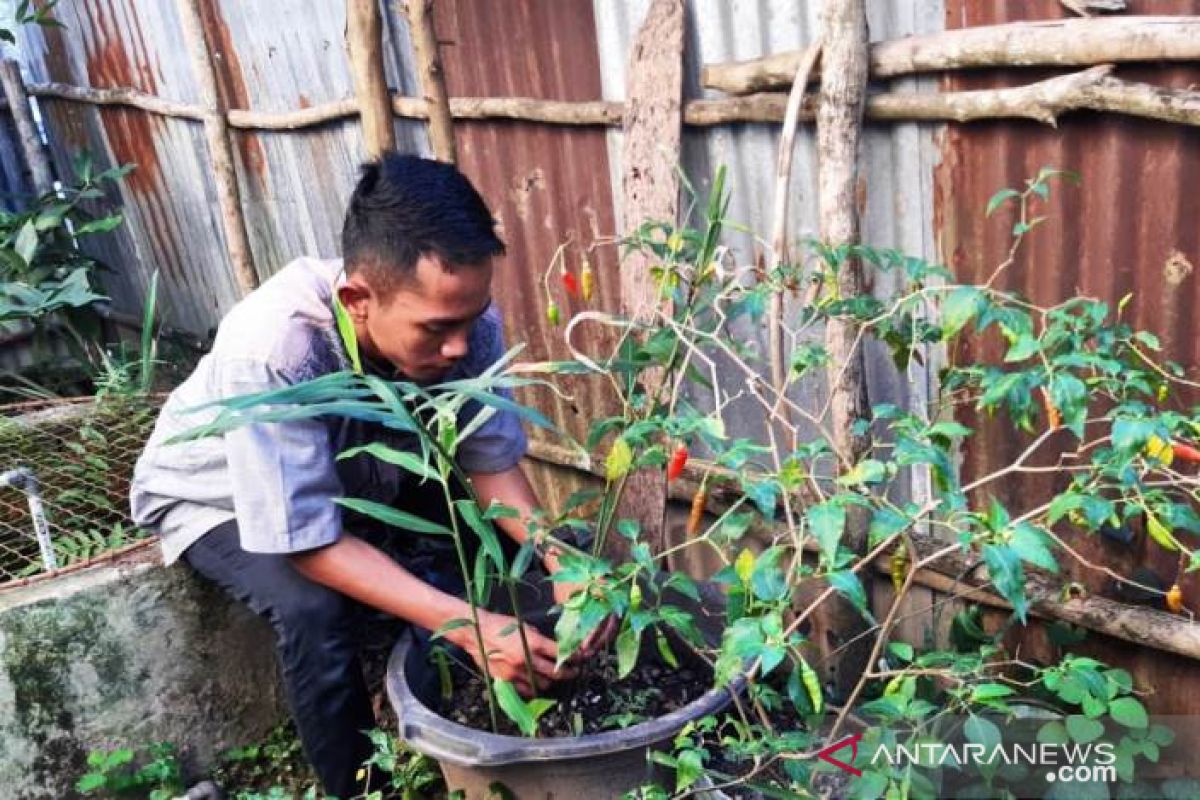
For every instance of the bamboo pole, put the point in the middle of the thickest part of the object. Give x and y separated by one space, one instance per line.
31 142
364 39
433 79
1048 43
220 147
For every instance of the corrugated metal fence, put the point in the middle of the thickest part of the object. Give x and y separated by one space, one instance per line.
923 187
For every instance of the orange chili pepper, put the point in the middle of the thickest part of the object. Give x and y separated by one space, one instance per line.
1175 599
697 513
1053 417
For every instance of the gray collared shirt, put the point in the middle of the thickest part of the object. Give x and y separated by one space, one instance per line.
279 480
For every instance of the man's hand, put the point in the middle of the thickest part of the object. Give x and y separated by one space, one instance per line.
506 656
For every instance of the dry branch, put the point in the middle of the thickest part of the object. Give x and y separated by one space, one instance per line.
1107 94
433 79
216 134
31 143
1061 43
364 39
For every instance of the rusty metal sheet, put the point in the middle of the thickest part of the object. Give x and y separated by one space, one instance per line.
544 183
1130 228
168 201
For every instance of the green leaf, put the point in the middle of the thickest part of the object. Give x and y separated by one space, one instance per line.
958 308
514 707
982 731
484 530
767 580
1084 730
345 328
90 781
689 766
998 198
990 691
452 625
849 586
1129 712
393 516
867 471
26 242
628 644
827 521
902 650
1053 732
409 462
884 523
1033 545
1004 568
102 225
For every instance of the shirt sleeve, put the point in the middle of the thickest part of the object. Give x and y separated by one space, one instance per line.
283 476
500 443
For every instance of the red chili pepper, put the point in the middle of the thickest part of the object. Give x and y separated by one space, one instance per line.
678 459
570 283
1185 452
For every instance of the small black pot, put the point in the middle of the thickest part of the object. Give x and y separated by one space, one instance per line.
589 767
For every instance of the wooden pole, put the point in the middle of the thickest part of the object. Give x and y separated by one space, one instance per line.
31 143
220 148
364 40
650 190
433 79
839 132
1048 43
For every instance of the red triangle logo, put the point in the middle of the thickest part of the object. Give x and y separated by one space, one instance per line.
852 743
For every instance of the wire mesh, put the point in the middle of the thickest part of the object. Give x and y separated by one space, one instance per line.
82 454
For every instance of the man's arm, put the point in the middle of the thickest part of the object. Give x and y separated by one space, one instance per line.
361 571
512 488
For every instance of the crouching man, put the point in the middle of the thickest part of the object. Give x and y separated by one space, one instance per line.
253 510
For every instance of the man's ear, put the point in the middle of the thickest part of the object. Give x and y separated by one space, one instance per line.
354 295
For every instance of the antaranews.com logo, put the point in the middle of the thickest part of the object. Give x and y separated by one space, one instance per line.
1018 759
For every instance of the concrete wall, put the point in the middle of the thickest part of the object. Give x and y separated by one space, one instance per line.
126 655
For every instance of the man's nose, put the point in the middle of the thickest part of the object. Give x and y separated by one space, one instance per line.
455 346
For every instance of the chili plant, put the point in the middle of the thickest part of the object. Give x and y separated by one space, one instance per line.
1075 383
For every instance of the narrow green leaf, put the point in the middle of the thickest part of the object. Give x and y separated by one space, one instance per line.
628 644
410 462
393 516
484 530
514 707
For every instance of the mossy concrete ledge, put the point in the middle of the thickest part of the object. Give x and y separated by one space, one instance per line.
126 654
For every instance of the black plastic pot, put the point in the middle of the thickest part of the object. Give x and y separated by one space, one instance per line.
591 767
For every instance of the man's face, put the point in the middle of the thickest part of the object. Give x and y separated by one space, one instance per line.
424 326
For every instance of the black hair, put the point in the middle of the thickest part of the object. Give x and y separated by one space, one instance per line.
405 207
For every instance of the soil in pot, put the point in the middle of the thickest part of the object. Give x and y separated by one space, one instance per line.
597 700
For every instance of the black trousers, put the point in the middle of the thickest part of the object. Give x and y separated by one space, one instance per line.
318 632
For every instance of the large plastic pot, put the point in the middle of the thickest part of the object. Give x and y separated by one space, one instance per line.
591 767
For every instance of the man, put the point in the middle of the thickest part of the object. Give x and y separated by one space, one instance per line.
254 511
